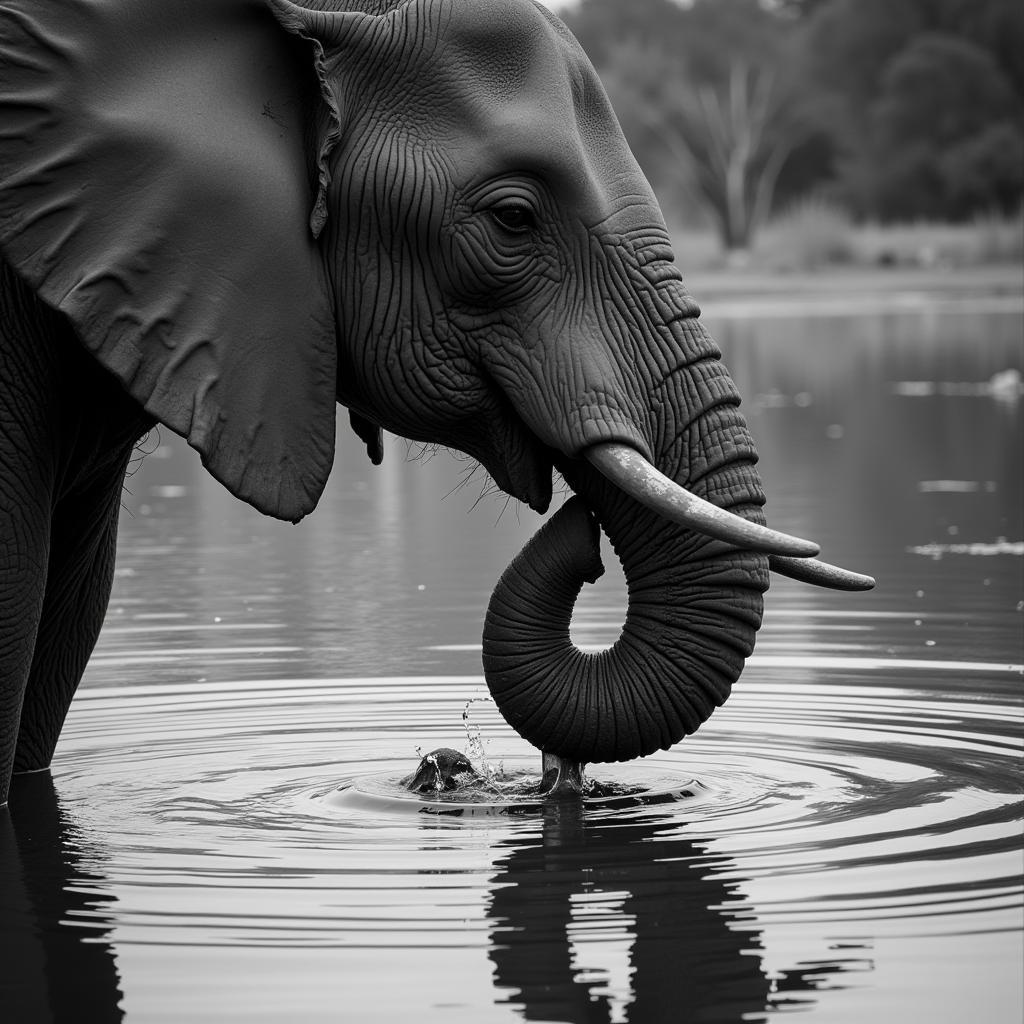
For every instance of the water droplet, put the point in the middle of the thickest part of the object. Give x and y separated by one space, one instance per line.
421 587
920 593
475 749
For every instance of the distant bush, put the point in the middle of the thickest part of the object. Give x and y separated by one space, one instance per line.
990 238
817 234
810 233
905 112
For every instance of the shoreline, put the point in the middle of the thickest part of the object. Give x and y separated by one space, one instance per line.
1002 279
848 291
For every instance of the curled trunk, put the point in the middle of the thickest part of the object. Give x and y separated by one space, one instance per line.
694 608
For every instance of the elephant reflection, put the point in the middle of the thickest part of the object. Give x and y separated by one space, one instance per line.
51 970
633 886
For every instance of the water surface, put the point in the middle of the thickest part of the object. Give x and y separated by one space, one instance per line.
850 845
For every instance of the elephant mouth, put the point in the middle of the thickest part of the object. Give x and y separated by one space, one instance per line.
516 459
527 476
522 465
526 471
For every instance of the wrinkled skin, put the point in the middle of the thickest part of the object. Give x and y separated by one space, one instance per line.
245 211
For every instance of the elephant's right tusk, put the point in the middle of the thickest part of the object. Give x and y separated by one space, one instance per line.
633 474
821 574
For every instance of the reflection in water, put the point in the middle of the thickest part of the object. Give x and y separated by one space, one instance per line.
832 817
631 923
565 907
844 446
55 963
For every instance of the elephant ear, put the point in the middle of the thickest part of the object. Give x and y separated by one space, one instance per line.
154 188
336 38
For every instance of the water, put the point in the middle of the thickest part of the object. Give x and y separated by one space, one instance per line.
221 838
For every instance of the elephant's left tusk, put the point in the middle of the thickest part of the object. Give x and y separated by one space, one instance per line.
633 474
821 574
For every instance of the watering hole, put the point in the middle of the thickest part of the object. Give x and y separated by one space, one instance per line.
224 835
832 838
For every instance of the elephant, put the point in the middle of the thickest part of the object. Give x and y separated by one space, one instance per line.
230 216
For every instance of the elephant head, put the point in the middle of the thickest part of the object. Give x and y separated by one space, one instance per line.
425 210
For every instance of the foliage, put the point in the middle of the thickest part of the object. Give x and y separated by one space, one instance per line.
926 104
705 97
816 235
810 234
984 239
896 111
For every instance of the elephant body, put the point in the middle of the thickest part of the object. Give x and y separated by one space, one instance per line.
227 216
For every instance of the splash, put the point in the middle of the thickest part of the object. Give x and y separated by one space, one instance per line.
475 747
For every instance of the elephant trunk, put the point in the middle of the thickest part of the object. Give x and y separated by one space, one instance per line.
694 604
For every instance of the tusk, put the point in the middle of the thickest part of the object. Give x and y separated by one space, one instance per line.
821 574
632 473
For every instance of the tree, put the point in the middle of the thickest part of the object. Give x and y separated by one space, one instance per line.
706 99
899 110
728 144
924 103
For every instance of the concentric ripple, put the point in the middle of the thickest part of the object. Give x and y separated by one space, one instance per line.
512 791
794 779
822 815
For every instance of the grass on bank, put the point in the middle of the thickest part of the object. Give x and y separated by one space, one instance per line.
817 235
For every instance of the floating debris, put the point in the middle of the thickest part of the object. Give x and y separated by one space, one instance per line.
1005 386
956 486
1002 546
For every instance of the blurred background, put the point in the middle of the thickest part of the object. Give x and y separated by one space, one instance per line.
796 134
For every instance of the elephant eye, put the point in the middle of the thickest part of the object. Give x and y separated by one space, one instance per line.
516 218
